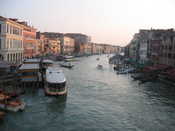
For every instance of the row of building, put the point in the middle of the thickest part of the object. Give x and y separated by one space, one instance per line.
155 45
18 40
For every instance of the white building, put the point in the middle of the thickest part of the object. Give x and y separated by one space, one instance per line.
11 40
143 51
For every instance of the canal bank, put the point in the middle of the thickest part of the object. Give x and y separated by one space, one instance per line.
97 100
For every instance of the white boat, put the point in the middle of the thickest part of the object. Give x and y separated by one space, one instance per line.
46 63
99 66
97 58
68 57
55 82
66 65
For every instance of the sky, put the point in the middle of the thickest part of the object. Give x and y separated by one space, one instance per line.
106 21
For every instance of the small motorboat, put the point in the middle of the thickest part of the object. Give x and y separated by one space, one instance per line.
125 71
66 65
12 105
8 103
99 66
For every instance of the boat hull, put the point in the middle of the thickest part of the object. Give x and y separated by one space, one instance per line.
2 115
51 93
12 108
65 66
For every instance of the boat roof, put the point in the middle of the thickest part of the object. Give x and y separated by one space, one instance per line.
68 56
34 60
48 61
29 66
4 64
55 75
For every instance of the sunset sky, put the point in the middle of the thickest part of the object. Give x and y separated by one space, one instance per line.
106 21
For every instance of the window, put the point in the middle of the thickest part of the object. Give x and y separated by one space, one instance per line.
7 31
0 43
11 43
11 30
7 43
0 28
169 55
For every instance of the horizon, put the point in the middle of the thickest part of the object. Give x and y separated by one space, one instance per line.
110 21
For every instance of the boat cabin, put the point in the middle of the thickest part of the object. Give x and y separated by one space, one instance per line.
55 83
46 63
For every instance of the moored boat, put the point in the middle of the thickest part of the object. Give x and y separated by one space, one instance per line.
99 66
47 62
98 59
55 82
125 71
2 115
12 105
68 57
66 65
8 103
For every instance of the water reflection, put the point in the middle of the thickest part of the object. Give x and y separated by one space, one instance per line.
57 105
97 101
158 92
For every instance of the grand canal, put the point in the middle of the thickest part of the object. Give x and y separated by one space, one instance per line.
98 100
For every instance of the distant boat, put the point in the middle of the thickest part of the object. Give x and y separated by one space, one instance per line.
98 59
55 82
68 57
66 65
46 63
125 71
99 66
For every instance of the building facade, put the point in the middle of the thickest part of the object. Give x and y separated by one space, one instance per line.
80 41
11 40
40 43
52 46
67 45
29 40
167 50
48 43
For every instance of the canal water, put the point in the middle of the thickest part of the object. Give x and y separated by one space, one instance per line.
98 100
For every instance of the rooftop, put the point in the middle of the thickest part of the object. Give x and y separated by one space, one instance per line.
29 66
